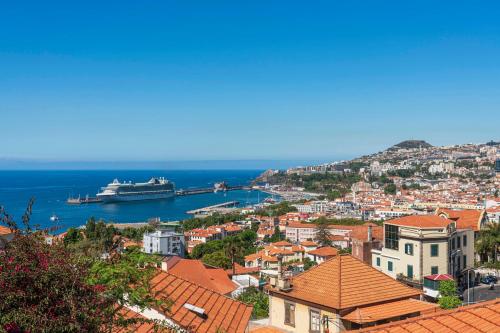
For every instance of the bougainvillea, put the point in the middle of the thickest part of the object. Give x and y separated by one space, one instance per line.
43 289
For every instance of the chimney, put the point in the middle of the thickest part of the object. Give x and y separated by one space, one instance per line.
370 233
284 278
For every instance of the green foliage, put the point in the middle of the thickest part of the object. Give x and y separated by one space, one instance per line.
100 233
277 209
403 173
488 243
125 280
135 233
333 194
277 236
308 263
258 299
448 298
205 248
390 189
322 236
217 259
72 236
208 221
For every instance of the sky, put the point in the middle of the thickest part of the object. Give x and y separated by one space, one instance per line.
139 81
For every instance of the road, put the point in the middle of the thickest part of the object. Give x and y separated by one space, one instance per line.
481 293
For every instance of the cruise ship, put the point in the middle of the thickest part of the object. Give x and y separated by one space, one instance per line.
156 188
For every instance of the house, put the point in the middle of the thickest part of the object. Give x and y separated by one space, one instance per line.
341 293
267 258
6 235
474 219
195 271
420 245
322 254
164 242
481 317
195 308
432 282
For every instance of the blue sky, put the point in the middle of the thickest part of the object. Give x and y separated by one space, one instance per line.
231 80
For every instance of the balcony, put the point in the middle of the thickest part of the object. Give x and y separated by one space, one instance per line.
410 281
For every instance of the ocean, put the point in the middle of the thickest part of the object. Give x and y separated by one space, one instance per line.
51 189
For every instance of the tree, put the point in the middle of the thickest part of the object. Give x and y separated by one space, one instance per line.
206 248
72 236
233 248
258 299
448 298
489 241
390 189
277 236
322 236
217 259
308 263
125 281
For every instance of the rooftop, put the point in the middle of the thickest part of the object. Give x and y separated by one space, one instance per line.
326 251
222 313
481 317
421 221
466 218
336 284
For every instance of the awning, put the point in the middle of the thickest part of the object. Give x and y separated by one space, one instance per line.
378 312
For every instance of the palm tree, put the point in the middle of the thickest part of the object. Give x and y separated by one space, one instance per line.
233 247
489 241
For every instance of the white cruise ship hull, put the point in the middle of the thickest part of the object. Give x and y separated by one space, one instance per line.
135 197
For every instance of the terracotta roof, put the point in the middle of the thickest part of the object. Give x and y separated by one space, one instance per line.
222 313
282 243
439 277
389 310
326 251
254 256
240 270
467 218
138 327
338 284
4 230
481 317
308 243
194 271
421 221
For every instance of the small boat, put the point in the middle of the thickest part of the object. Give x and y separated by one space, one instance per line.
54 218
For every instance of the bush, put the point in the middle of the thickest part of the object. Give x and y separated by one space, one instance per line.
258 299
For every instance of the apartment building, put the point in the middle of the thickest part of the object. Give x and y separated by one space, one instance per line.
418 246
164 242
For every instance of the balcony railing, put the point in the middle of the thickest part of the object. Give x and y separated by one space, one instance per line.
410 281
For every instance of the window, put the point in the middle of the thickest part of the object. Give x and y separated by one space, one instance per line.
409 249
389 266
465 261
435 250
434 270
409 271
465 240
290 314
458 242
458 263
378 261
391 237
314 321
453 243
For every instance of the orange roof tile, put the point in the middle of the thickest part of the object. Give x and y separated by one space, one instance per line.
308 243
336 284
481 317
326 251
266 329
4 230
222 313
239 270
194 271
467 218
389 310
282 243
421 221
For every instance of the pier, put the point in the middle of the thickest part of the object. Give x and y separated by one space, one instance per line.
81 201
194 191
222 207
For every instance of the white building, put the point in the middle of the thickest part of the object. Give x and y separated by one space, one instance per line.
164 242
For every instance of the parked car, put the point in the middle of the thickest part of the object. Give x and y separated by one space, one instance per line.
488 279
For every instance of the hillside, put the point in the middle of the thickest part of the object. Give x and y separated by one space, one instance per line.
411 144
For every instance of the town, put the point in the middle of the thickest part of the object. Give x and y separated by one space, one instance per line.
419 225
